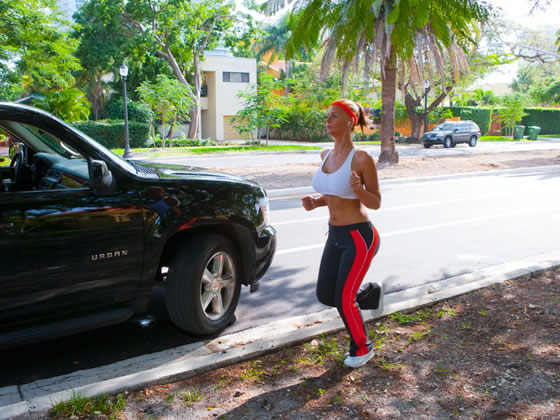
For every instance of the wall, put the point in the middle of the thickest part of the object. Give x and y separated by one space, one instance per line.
225 102
209 114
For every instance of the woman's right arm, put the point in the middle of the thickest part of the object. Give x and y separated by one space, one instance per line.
310 203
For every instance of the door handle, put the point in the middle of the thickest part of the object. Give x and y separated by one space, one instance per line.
6 226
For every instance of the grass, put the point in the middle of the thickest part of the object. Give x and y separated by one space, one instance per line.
496 138
366 143
418 316
201 150
89 407
190 396
504 138
324 348
253 374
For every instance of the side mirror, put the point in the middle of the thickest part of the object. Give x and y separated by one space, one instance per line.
455 130
14 148
100 177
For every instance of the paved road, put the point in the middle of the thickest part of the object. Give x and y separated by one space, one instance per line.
279 158
430 230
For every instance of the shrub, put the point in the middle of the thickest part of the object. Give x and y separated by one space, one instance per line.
366 137
137 111
548 119
185 142
302 123
481 116
111 133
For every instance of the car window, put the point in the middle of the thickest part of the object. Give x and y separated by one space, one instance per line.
39 140
47 162
444 127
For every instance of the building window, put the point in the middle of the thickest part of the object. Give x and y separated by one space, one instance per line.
235 77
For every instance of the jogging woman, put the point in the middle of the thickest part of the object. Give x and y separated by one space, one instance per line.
348 184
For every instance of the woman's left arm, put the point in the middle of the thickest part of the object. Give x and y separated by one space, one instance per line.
363 180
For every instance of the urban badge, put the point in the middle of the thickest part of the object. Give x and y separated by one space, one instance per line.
109 255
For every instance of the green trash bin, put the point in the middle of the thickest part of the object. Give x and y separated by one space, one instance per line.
533 132
518 132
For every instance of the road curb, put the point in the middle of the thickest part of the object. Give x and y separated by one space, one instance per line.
291 192
193 359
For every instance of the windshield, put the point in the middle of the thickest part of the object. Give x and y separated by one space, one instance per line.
444 127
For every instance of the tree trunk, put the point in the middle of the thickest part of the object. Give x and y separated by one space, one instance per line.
153 130
95 95
417 119
163 130
267 135
388 156
288 74
172 130
193 127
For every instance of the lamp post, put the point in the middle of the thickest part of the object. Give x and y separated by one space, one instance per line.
427 89
124 72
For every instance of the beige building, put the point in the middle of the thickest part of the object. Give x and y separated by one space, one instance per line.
223 76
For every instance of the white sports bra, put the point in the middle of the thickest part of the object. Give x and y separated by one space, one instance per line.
337 183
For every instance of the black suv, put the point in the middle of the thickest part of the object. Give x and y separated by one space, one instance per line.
452 132
84 235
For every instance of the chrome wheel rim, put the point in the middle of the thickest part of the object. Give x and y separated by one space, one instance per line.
217 286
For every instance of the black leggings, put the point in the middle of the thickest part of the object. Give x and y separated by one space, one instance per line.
345 262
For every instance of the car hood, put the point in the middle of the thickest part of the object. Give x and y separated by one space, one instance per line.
166 171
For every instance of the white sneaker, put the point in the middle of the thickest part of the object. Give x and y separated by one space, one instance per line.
357 361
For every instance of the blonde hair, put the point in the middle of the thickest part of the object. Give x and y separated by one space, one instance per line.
358 109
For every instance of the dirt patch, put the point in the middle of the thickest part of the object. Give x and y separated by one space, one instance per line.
489 354
300 174
494 353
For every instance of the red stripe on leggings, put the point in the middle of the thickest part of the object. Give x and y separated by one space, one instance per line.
355 277
370 255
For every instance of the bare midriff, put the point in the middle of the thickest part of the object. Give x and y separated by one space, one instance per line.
345 211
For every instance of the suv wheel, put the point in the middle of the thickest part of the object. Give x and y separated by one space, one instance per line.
472 141
203 285
447 142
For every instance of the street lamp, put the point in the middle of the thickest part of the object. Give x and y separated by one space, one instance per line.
427 89
124 72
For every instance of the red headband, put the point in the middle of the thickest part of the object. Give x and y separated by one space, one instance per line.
347 109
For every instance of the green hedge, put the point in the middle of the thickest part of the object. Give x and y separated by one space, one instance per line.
111 133
548 119
481 116
302 124
137 111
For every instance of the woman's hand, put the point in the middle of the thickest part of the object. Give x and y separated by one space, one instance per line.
355 182
309 203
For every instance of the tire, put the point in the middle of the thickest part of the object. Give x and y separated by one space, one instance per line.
203 285
472 141
427 146
447 142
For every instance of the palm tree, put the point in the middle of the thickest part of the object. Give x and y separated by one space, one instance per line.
275 42
387 32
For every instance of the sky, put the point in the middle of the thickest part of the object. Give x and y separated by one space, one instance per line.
515 9
518 11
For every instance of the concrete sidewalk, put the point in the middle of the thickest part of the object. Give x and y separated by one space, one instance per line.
193 359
